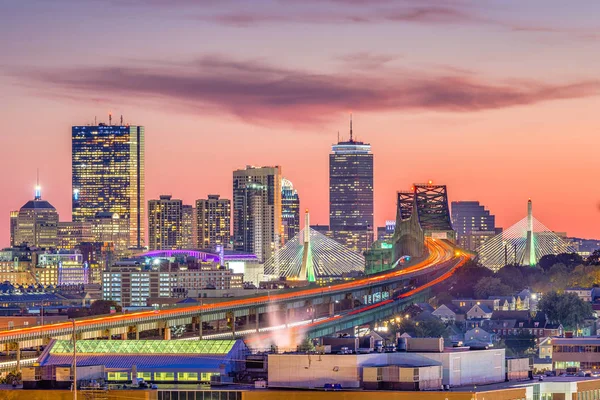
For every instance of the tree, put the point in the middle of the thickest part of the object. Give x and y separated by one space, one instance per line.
512 276
486 287
461 283
565 308
520 344
101 307
594 258
428 328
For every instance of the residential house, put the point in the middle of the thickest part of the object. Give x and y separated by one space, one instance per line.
505 303
467 304
478 337
545 348
479 312
449 312
506 323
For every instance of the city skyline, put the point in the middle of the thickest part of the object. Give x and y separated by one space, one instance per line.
493 130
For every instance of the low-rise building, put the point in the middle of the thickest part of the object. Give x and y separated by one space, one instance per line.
574 354
459 366
479 312
448 312
584 294
162 361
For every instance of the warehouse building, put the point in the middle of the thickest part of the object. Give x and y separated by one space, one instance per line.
165 361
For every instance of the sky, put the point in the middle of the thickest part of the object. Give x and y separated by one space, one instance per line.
497 99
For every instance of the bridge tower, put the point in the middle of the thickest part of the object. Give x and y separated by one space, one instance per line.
421 212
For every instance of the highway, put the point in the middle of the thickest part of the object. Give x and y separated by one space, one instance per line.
443 253
439 252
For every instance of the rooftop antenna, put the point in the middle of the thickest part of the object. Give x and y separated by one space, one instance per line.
121 119
95 122
110 118
351 127
38 191
338 136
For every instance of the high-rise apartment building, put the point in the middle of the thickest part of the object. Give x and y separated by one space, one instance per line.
37 223
473 223
164 223
290 210
188 227
257 210
13 227
213 221
108 175
351 192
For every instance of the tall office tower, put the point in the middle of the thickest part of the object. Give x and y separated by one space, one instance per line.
112 232
257 210
290 210
472 223
188 228
213 224
70 234
164 223
108 175
351 192
13 227
37 223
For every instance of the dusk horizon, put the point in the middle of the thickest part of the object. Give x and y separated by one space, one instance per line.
498 101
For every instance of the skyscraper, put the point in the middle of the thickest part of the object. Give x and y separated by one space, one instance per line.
351 191
257 210
37 223
108 175
164 223
13 227
290 210
213 221
188 228
472 223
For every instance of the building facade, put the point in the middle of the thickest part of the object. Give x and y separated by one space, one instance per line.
164 223
112 231
473 223
108 175
70 234
290 210
132 286
351 191
189 240
257 210
37 223
213 221
13 226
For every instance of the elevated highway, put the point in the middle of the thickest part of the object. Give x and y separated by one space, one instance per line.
300 304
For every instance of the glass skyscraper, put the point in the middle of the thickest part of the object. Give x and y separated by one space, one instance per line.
108 175
351 189
290 210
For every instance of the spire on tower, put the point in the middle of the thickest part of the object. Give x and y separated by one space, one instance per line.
351 128
38 189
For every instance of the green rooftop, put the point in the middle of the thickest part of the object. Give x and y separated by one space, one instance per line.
144 347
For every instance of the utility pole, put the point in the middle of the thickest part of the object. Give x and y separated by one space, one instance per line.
74 362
